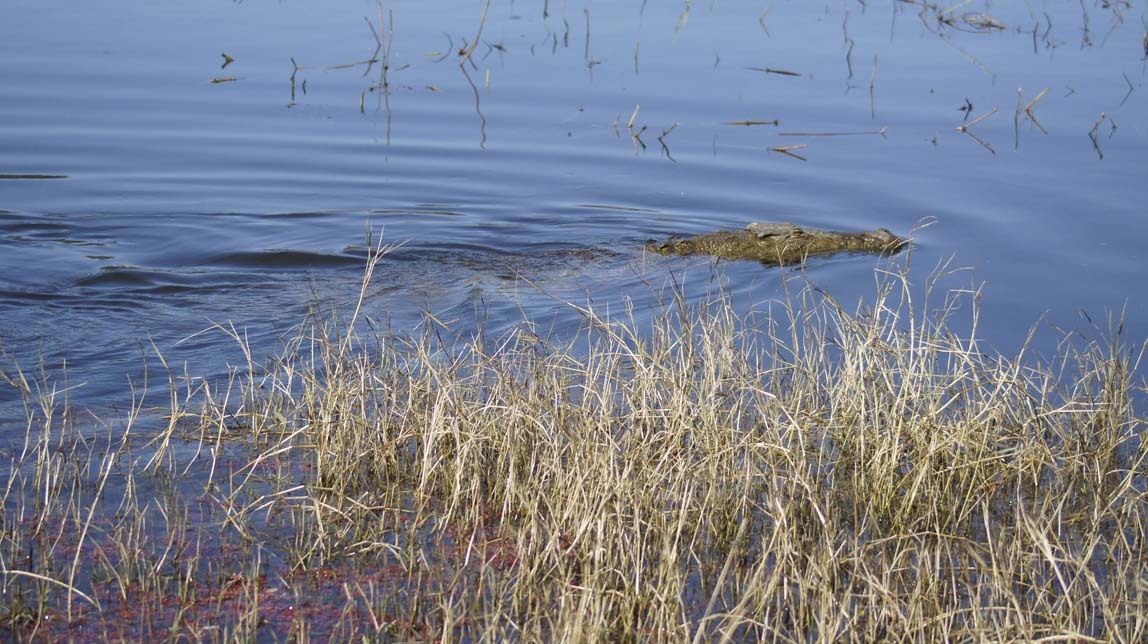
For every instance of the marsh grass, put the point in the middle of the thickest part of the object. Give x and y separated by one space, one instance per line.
797 472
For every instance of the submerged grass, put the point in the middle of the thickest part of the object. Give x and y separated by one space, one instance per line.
796 473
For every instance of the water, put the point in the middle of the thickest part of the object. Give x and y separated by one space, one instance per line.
186 202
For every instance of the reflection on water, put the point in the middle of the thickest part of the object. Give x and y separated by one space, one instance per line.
223 162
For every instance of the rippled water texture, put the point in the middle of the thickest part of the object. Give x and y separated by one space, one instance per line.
148 190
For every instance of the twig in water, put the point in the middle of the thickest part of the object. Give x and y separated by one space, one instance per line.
662 140
788 150
883 131
1131 88
770 70
1031 116
978 140
748 123
849 58
449 48
586 53
982 22
1016 118
477 37
477 105
636 137
967 108
684 18
371 26
1092 132
966 126
1028 108
1086 37
1092 136
386 38
630 123
973 59
294 71
872 93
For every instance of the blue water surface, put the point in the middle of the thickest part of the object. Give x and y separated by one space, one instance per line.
190 193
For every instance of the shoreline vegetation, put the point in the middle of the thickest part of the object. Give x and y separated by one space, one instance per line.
797 473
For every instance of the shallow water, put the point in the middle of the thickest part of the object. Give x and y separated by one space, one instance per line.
183 202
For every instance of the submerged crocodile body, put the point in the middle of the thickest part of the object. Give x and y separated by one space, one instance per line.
779 243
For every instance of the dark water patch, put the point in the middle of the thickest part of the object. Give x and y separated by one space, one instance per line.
67 241
20 226
445 213
33 176
445 251
134 282
119 276
85 303
615 207
285 260
308 214
17 298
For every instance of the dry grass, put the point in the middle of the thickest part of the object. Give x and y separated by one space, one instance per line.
798 473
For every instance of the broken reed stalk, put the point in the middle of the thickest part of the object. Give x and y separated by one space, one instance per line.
1096 125
788 150
873 90
1028 108
965 126
883 132
586 49
770 70
477 36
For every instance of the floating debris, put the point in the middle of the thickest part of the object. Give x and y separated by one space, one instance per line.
770 70
748 123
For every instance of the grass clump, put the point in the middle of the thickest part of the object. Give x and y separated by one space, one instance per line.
797 473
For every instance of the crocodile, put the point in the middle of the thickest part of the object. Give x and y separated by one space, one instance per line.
779 243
